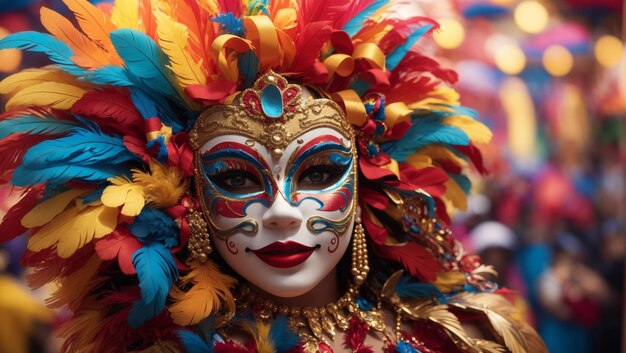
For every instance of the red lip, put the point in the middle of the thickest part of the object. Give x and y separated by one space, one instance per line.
284 255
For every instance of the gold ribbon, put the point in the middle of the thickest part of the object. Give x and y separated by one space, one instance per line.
395 113
341 64
227 59
261 31
350 101
370 52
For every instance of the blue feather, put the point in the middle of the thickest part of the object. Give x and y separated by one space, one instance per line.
408 288
35 126
396 56
156 270
143 103
110 75
356 23
283 338
153 225
193 343
424 130
145 60
463 181
405 347
84 154
248 67
158 148
229 24
151 107
55 49
254 6
95 195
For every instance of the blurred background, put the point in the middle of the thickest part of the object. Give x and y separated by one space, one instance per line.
549 78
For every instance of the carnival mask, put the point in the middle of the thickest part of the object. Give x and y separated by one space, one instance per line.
276 172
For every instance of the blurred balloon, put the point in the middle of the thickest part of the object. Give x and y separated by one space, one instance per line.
557 60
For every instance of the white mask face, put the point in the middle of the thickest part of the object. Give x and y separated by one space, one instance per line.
281 220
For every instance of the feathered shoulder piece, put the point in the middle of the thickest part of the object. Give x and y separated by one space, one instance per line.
98 144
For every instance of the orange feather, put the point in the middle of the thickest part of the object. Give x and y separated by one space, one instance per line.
96 24
87 53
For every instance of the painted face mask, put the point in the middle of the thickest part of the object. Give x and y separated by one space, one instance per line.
278 185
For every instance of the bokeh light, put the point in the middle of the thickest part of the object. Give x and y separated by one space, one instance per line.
531 16
450 34
9 58
510 59
608 50
557 60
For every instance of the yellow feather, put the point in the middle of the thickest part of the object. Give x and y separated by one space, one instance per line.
210 291
74 288
87 53
456 195
96 25
83 327
43 213
437 153
420 161
124 192
30 77
173 37
163 186
263 343
125 14
48 94
449 281
475 130
74 228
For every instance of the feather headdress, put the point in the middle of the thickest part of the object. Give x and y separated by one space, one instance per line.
98 141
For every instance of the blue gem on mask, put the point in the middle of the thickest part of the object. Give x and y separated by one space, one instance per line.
272 101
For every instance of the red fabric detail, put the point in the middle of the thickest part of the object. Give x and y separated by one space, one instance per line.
341 42
417 260
374 198
373 172
229 347
153 124
214 92
11 225
120 245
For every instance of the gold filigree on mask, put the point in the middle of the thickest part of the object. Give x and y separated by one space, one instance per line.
274 129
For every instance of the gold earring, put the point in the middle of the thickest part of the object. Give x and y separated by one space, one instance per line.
199 244
360 264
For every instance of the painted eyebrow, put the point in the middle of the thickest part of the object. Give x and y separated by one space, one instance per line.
237 150
334 141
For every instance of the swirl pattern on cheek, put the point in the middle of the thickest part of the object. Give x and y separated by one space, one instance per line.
330 153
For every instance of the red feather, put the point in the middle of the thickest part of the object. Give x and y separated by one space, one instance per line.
401 30
138 147
12 150
309 44
120 244
475 156
111 110
333 11
49 266
417 260
11 225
